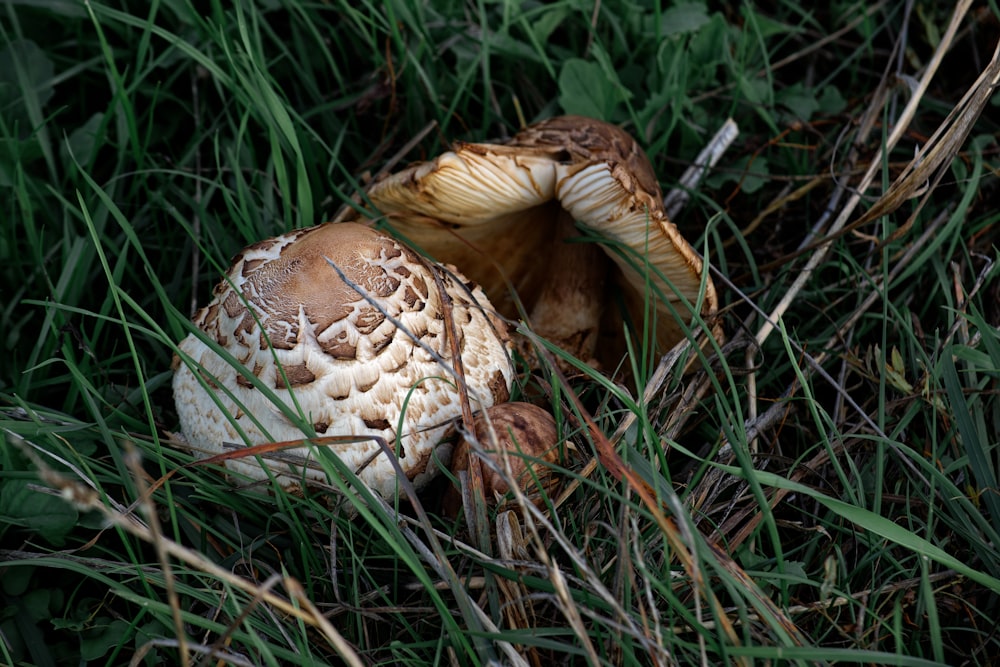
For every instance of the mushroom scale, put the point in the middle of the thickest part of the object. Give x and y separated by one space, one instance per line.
349 357
500 212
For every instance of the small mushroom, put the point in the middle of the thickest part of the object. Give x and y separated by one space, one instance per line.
501 212
369 354
523 434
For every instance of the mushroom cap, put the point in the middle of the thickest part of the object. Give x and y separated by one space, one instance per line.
361 356
495 210
523 433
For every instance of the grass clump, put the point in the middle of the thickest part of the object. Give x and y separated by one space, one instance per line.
823 489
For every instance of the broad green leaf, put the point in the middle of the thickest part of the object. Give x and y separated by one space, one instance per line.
800 101
49 516
584 89
683 17
15 580
831 101
545 25
101 637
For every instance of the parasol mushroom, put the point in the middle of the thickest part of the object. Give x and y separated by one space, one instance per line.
361 350
501 212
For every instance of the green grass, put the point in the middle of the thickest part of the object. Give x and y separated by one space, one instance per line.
828 495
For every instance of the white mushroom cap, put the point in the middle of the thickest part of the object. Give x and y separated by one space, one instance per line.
360 357
499 210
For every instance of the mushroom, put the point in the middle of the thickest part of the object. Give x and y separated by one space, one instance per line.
501 211
338 330
523 434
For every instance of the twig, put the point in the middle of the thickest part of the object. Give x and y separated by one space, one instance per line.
678 197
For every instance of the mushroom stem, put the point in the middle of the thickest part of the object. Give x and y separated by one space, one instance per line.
568 310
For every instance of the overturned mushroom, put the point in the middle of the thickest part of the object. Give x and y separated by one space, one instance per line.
501 212
369 354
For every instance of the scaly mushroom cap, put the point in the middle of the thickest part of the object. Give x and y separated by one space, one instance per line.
291 322
499 212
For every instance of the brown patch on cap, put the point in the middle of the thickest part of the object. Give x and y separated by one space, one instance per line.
498 388
207 317
379 346
420 466
233 305
243 381
378 424
412 300
368 320
251 265
340 348
246 324
297 375
279 340
263 246
366 386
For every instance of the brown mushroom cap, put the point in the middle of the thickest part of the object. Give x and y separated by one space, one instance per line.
524 434
356 357
497 211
